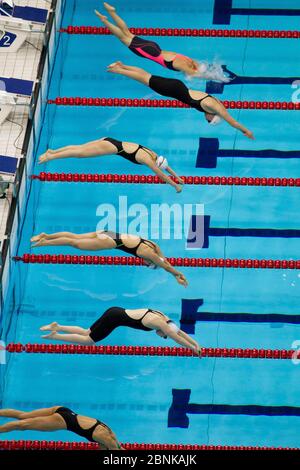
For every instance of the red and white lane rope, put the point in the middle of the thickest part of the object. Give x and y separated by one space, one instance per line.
240 353
190 32
45 177
159 103
59 445
184 262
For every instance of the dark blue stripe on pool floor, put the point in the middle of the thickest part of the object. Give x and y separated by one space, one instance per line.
209 152
190 316
218 87
181 407
223 10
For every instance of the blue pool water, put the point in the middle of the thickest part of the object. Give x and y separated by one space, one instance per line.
133 395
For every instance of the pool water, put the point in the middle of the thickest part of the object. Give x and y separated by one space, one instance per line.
134 395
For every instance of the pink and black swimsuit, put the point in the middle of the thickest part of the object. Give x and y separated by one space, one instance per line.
151 50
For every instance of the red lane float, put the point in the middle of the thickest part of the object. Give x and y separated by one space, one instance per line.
59 445
190 32
151 179
170 103
28 258
150 351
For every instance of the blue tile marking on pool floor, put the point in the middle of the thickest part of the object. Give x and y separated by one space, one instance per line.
190 315
181 407
223 11
202 223
209 151
218 87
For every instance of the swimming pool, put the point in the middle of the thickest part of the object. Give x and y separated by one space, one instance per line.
134 395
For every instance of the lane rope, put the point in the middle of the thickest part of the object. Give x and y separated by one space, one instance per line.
59 445
134 261
190 32
151 351
170 103
154 179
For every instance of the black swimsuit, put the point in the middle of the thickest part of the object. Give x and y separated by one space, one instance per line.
129 156
72 424
115 317
117 238
176 89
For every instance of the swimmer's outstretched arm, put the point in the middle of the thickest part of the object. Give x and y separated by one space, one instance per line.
180 278
110 443
180 339
164 177
172 172
224 114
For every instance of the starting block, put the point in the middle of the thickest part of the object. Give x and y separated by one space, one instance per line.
16 23
12 91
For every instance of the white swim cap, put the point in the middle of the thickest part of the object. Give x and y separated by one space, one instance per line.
215 121
162 162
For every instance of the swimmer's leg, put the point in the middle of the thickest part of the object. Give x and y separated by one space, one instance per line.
80 244
53 236
49 423
72 338
69 329
17 414
118 20
125 38
95 148
135 73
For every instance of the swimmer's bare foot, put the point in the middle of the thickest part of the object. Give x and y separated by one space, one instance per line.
115 67
40 242
54 326
108 7
37 238
102 17
45 157
50 335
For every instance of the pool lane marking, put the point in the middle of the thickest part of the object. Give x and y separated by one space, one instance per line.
190 315
216 88
209 151
200 228
181 407
223 11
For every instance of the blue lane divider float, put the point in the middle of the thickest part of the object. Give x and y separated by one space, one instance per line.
209 152
181 407
190 315
223 10
218 87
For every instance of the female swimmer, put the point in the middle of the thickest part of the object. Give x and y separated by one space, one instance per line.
144 319
212 108
132 152
58 418
151 50
106 239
